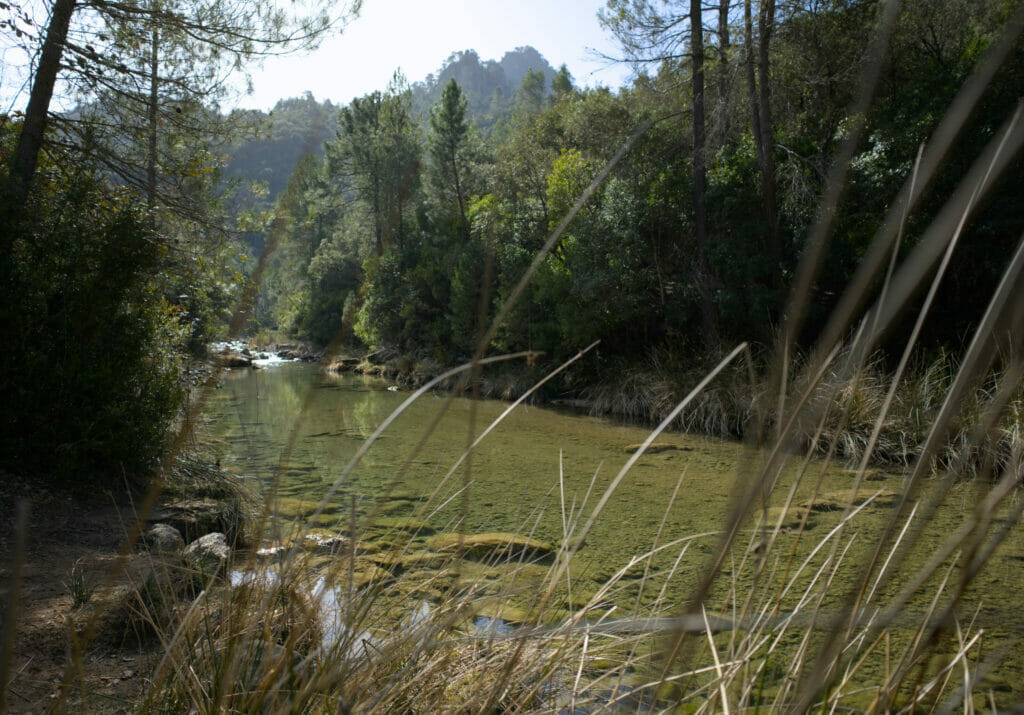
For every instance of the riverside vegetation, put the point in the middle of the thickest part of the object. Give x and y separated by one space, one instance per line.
403 580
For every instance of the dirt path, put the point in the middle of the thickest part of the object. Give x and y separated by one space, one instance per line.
109 674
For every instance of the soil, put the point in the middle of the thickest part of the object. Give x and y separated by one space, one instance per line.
48 672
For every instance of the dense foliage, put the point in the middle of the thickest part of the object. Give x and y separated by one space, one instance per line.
466 214
90 373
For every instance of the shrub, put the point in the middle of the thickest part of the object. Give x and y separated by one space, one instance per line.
89 377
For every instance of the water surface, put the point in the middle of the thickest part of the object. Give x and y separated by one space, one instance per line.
541 472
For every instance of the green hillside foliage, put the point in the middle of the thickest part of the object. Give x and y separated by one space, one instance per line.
471 217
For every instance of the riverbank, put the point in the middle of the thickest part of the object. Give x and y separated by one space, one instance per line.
89 604
858 417
71 550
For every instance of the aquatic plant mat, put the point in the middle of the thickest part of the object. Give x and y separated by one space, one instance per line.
548 578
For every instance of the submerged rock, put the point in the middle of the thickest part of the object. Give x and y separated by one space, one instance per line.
402 523
836 501
325 543
791 518
496 547
656 447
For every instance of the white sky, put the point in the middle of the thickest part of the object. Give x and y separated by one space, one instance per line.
418 35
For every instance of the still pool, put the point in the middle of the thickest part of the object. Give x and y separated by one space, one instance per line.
540 473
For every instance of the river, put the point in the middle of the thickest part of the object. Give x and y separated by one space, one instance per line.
540 473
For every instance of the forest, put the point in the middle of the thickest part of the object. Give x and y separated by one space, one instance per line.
692 242
798 227
412 213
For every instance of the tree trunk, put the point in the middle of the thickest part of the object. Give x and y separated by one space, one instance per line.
767 27
464 227
709 315
154 81
724 44
759 95
30 141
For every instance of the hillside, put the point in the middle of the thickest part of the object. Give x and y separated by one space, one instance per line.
300 125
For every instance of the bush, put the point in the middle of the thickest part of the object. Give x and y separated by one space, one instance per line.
89 377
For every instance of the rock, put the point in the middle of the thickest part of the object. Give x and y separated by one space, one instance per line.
381 356
232 359
208 552
324 543
272 553
163 538
198 517
497 546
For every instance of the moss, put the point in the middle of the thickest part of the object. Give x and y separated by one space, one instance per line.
657 447
402 523
837 500
497 546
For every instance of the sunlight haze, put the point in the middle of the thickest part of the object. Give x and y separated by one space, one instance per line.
417 37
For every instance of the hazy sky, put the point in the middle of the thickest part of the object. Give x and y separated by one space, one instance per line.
418 35
413 35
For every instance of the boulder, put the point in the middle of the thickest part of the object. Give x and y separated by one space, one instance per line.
492 547
232 359
163 538
208 553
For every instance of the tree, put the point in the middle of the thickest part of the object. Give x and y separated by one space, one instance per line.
561 83
530 98
672 32
377 154
759 94
448 133
136 52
